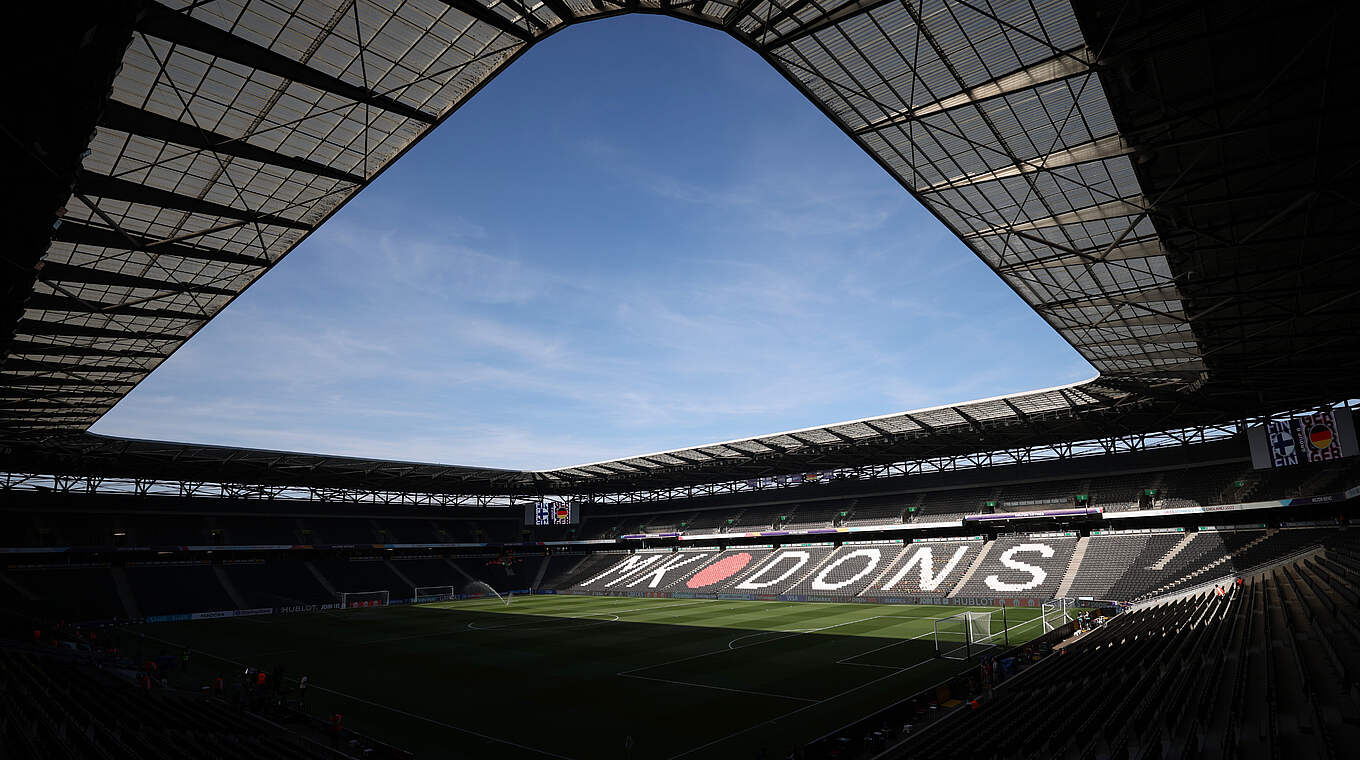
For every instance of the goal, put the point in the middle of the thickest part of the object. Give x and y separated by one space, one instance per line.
1056 613
350 599
959 637
433 594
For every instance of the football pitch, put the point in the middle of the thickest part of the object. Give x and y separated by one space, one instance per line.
575 676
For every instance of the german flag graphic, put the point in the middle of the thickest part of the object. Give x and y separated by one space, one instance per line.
1320 436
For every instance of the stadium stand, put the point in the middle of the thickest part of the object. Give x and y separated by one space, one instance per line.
1020 565
359 575
930 568
56 707
276 583
1267 670
75 592
177 587
847 571
880 510
427 571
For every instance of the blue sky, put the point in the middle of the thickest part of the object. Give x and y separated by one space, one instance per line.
639 237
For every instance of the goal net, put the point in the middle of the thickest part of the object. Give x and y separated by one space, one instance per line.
350 599
433 594
959 637
1056 613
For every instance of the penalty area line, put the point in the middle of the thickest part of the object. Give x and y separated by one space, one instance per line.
719 688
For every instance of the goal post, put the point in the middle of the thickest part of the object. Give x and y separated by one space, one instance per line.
425 594
960 636
1057 613
351 599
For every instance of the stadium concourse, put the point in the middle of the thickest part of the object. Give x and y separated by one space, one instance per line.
1157 562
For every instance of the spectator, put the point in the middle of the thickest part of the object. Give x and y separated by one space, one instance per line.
337 724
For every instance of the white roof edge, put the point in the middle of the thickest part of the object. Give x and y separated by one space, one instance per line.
923 410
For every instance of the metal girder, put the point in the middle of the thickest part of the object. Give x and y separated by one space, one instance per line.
182 29
55 271
9 391
61 302
849 10
68 329
1057 68
522 8
489 17
767 25
36 365
562 10
9 380
1109 146
1147 295
25 347
80 233
1108 210
1138 249
117 188
737 13
133 120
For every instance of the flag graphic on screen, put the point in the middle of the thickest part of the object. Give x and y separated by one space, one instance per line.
563 514
1317 437
1282 449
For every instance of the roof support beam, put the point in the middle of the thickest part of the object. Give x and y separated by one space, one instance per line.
768 25
562 10
37 365
1105 147
1138 249
25 347
38 327
1108 210
180 28
522 8
126 118
1142 320
53 271
63 381
829 20
59 302
79 233
115 188
1059 67
489 17
736 15
1150 295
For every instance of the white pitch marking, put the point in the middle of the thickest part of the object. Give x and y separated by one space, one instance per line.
719 688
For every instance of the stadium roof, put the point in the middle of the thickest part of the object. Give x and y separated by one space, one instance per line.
1165 183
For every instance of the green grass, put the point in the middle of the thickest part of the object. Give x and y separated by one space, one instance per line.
571 676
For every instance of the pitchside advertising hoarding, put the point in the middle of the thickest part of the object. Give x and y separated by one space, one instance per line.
1320 437
551 513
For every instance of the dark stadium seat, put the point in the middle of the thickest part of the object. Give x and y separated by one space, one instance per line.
55 707
172 588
